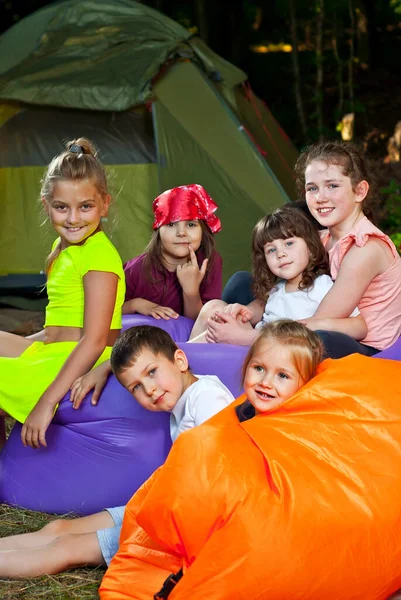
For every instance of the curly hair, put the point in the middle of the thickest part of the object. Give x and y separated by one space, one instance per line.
284 223
345 155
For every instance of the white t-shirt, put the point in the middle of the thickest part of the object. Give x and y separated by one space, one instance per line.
203 399
301 304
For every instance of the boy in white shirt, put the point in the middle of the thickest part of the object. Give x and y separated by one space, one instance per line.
149 364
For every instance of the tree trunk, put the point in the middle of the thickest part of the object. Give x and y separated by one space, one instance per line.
319 67
296 70
362 34
340 83
351 56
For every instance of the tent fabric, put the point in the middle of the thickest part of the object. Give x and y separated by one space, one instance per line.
29 137
86 56
216 130
301 502
163 109
83 41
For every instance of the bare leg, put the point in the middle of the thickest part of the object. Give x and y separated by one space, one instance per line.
12 346
60 545
199 339
208 310
65 552
55 529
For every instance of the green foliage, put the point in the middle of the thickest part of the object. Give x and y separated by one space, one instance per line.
396 237
396 4
391 222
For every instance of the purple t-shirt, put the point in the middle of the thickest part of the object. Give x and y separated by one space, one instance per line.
165 289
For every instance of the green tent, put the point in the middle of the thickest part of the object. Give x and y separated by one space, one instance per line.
161 106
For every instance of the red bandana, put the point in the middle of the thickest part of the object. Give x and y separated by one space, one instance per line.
185 203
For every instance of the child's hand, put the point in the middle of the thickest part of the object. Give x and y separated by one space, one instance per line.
149 309
239 311
163 312
228 330
95 380
36 424
190 275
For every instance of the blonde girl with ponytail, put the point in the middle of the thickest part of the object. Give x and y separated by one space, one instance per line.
86 288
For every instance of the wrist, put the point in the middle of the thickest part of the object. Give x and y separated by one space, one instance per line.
191 294
47 400
128 307
251 337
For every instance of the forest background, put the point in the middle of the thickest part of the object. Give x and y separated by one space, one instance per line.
325 68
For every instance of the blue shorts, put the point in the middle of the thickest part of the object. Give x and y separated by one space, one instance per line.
109 538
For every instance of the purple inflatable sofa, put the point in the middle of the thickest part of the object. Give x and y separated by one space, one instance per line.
98 456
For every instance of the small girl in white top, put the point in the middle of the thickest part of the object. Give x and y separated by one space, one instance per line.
291 277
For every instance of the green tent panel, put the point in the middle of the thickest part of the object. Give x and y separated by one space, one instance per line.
163 109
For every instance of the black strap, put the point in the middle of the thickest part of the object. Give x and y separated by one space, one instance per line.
168 585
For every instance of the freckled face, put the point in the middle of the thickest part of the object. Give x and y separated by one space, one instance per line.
271 377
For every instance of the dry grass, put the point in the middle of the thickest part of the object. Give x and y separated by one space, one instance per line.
78 584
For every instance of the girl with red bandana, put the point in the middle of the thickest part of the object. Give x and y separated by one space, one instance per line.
180 269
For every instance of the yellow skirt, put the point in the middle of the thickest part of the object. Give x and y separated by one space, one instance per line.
24 379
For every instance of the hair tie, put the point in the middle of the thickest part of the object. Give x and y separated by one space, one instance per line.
76 149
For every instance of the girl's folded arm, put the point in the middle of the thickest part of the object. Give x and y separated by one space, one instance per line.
358 268
355 327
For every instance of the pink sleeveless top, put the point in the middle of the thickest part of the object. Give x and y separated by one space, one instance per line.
380 305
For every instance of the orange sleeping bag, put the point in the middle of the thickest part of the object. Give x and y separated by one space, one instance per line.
301 503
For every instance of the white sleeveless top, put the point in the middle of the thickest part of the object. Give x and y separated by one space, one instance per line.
300 304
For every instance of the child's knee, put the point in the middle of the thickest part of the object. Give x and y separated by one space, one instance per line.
57 527
211 307
77 549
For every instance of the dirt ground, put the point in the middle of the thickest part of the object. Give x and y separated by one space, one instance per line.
21 322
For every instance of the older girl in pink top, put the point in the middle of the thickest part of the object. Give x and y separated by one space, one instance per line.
363 260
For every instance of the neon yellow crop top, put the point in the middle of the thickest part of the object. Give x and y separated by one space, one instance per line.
65 287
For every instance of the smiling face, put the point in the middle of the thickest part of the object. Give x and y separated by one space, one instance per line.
75 210
287 259
330 196
176 239
156 382
271 376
